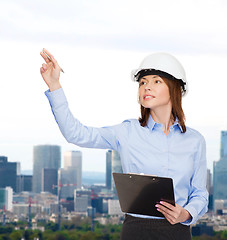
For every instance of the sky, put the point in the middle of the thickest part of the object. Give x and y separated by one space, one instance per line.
98 43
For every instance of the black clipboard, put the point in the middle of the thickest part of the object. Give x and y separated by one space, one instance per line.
139 194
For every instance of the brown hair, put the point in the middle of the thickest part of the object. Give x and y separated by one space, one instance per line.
175 92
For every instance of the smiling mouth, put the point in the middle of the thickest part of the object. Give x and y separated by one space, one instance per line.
148 97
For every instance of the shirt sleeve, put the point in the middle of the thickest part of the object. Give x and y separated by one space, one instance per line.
198 198
75 132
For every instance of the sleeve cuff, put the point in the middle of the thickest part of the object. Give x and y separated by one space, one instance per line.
193 213
56 98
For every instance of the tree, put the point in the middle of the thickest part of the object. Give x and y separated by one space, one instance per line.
90 236
6 230
62 236
52 226
74 235
27 234
37 234
16 235
224 235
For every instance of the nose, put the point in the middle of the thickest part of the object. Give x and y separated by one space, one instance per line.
148 86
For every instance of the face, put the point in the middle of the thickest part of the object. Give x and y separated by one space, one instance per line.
153 92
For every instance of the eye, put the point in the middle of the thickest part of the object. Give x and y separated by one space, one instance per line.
158 81
142 83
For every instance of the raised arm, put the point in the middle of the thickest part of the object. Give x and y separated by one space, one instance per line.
77 133
71 128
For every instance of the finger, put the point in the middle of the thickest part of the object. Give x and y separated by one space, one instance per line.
170 218
44 66
170 221
42 70
164 209
171 213
170 209
168 205
51 57
46 59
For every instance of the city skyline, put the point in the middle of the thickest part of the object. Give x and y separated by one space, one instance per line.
95 155
87 35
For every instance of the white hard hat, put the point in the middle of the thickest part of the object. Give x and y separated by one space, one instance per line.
162 64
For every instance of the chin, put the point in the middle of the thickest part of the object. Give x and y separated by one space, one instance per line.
147 106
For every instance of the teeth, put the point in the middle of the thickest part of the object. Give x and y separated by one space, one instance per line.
148 97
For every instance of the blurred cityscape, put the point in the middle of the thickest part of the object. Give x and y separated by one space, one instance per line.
51 193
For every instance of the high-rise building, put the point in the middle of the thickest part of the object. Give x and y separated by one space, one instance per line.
8 173
44 156
6 198
209 181
97 203
49 179
67 176
223 149
210 189
71 173
109 169
113 164
73 159
220 171
114 207
82 200
24 183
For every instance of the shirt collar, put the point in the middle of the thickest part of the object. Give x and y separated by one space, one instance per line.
151 123
176 123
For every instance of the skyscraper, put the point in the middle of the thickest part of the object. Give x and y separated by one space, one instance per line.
8 173
49 178
6 198
113 164
44 156
82 199
209 181
109 169
223 149
73 159
220 171
210 189
71 173
24 183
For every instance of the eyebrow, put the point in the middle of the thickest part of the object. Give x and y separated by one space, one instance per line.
153 77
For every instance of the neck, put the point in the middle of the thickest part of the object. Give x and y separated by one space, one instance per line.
163 116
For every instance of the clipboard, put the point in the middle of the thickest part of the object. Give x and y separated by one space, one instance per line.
138 194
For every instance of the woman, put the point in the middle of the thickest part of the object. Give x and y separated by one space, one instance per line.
158 143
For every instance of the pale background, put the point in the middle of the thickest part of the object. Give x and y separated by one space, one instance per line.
98 43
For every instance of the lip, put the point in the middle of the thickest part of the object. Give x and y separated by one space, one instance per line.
148 97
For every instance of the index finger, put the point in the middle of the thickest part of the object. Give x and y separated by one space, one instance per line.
45 57
50 57
168 205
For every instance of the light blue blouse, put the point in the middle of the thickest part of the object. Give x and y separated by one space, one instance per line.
180 156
